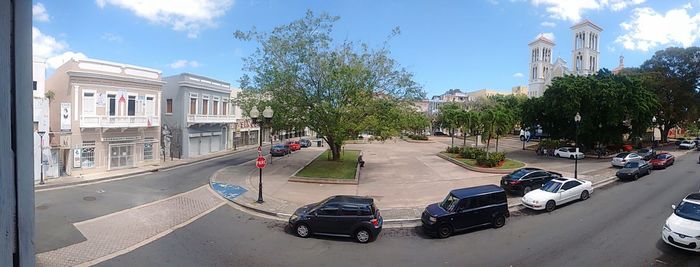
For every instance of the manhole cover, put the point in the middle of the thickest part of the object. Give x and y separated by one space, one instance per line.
89 198
42 207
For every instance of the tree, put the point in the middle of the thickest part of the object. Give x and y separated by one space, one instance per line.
449 117
330 87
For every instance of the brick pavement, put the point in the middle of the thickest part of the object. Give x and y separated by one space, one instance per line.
117 232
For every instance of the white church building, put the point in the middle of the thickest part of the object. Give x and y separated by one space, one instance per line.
584 56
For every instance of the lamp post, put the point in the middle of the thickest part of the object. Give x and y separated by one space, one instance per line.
577 120
41 156
267 117
653 132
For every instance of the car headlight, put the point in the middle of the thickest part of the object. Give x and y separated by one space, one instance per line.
432 219
667 227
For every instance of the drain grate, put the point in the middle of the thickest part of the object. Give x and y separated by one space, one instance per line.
89 198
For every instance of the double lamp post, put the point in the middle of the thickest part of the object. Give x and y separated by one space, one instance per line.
577 121
267 118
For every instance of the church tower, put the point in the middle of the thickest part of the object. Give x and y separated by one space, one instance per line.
586 52
540 65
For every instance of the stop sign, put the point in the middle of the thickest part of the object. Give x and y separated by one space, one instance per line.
260 162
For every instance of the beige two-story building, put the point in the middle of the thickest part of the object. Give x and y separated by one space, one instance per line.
105 115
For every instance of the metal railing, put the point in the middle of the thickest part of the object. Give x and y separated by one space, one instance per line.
96 121
199 118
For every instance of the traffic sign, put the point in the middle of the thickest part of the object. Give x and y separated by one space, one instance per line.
260 162
259 149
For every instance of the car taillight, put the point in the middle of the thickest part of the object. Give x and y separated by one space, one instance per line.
375 222
514 182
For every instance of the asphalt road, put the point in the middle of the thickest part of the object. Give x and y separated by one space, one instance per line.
618 226
57 210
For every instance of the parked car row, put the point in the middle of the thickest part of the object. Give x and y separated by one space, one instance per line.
636 166
288 147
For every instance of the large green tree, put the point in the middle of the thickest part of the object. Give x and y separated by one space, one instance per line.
449 117
331 87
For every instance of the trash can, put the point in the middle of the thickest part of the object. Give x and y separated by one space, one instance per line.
319 143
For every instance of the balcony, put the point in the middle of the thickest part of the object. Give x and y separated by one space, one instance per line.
96 121
198 118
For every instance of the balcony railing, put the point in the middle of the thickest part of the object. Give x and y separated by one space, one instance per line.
198 118
96 121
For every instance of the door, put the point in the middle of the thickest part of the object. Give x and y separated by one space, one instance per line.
194 146
571 191
215 143
205 147
349 216
121 156
469 213
326 219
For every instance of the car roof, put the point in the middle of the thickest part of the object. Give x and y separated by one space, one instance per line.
694 197
351 199
477 190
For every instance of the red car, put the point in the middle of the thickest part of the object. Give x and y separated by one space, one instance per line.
662 160
293 145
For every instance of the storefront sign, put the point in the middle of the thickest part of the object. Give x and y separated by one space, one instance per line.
65 116
101 100
76 157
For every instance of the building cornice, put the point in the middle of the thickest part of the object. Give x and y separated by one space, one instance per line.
121 78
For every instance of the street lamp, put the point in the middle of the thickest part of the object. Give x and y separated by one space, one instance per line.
577 120
653 132
267 118
41 153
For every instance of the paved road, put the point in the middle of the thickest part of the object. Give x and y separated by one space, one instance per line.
57 210
619 226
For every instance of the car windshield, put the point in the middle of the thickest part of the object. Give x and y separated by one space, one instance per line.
688 210
632 164
622 155
662 156
449 203
551 187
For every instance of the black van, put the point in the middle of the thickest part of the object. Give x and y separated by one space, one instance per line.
350 216
466 208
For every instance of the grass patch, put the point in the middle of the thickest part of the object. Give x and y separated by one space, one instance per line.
323 168
508 164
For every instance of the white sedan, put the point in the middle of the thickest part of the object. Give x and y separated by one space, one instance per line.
557 192
568 152
687 144
682 228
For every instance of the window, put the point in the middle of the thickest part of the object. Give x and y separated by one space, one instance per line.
150 106
205 105
193 105
169 106
224 107
215 107
34 85
148 148
87 156
131 106
329 210
570 184
112 104
349 210
89 103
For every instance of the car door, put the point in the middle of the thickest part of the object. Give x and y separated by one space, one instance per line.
570 191
563 152
645 167
349 216
537 179
469 213
326 219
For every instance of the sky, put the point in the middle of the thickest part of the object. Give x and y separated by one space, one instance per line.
469 45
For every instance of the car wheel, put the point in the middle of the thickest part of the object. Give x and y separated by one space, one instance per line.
499 221
550 206
636 176
363 235
585 195
302 230
571 157
526 190
444 231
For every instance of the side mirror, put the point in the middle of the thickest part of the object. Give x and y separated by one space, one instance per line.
673 207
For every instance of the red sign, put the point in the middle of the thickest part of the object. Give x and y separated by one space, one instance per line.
259 149
260 162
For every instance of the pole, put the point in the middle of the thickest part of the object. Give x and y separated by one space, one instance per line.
260 187
41 159
576 157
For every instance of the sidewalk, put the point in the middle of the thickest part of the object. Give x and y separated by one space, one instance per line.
162 165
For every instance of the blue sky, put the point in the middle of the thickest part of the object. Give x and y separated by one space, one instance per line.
468 45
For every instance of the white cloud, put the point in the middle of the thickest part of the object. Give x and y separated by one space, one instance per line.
112 37
54 51
572 10
548 24
189 16
648 29
39 13
518 75
184 63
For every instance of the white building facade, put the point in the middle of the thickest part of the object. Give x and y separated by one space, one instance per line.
42 150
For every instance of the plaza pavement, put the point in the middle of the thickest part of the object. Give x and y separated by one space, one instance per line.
402 177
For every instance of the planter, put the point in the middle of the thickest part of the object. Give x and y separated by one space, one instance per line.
475 168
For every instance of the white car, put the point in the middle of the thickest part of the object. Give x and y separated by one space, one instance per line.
557 192
682 228
687 144
621 159
568 152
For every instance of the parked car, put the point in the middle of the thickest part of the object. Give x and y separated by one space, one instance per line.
568 152
687 144
293 146
557 191
349 216
634 170
528 134
679 140
279 150
662 161
439 134
621 159
524 180
466 208
682 228
646 153
305 143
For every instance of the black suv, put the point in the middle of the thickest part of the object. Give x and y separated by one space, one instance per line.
466 208
524 180
350 216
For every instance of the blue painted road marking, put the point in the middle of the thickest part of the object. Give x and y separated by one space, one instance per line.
228 191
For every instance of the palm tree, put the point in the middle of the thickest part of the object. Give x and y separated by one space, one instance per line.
503 123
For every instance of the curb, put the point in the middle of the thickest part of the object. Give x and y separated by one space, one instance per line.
152 170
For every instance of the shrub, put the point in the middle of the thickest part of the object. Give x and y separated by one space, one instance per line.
552 144
418 137
491 160
471 152
453 150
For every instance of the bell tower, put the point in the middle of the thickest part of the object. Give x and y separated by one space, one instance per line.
586 49
540 65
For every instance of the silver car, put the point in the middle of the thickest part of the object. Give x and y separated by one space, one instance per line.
621 159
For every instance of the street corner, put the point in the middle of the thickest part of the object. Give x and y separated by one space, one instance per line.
228 191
